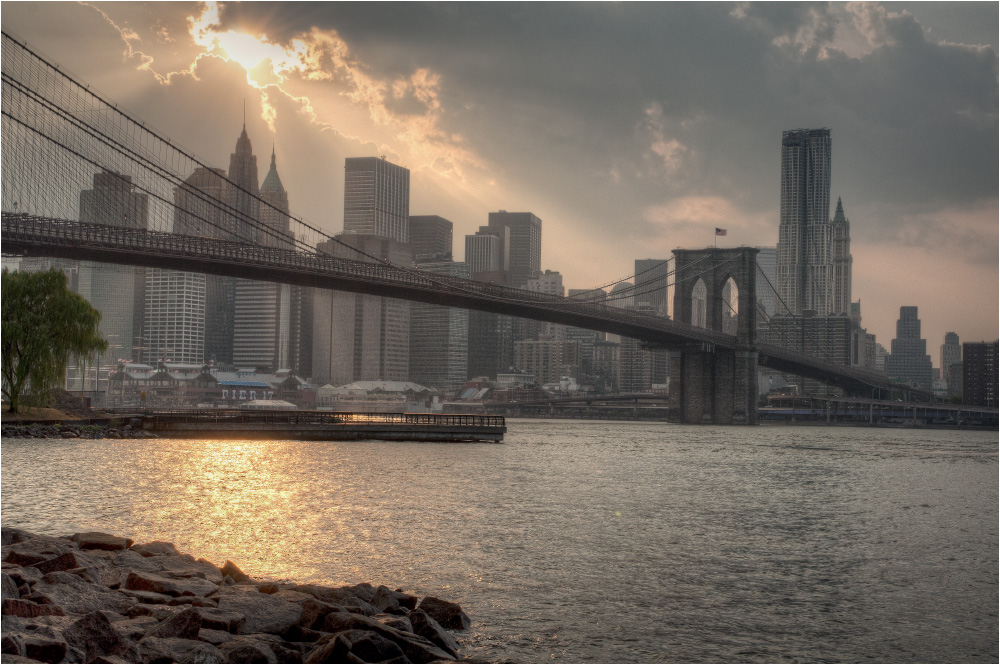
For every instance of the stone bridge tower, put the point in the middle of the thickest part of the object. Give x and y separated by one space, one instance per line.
709 384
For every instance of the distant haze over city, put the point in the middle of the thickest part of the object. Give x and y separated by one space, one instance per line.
629 129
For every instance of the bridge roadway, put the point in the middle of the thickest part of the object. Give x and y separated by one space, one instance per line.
29 235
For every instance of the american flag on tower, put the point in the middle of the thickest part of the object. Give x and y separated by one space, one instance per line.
720 232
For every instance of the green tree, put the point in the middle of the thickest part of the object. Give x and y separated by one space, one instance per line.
44 323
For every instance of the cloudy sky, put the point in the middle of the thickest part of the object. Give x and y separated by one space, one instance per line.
630 129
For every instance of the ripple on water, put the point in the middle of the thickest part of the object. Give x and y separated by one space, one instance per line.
585 541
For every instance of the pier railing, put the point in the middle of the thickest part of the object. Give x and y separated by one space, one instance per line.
239 416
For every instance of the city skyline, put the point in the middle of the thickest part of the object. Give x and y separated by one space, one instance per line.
922 231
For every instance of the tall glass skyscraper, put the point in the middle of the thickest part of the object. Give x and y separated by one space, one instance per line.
805 243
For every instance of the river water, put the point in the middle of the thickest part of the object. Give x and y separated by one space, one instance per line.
582 541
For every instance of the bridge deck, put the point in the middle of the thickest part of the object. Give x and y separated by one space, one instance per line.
24 234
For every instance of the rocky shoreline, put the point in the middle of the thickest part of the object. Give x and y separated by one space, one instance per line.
98 598
64 430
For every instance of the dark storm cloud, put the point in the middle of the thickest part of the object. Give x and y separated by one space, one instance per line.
630 128
571 82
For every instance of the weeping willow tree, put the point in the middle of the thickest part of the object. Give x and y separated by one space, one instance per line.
44 324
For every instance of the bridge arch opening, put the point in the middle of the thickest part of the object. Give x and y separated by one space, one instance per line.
699 304
730 306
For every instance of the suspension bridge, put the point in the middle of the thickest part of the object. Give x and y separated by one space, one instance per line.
58 134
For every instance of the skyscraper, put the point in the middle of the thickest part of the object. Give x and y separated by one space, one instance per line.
376 198
506 251
951 353
116 291
243 191
266 321
430 238
908 360
805 251
980 373
174 321
840 228
483 254
651 285
188 316
361 337
439 336
521 233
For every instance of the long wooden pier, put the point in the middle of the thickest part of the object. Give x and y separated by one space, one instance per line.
324 425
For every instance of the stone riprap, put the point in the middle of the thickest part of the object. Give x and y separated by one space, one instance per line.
98 598
130 430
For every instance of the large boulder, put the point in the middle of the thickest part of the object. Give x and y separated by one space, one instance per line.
417 649
449 615
335 650
216 619
95 540
195 601
155 548
395 621
9 535
65 561
345 597
37 648
406 600
247 650
36 549
134 629
9 587
296 597
27 609
184 624
386 601
94 634
232 570
365 646
264 613
188 586
23 575
78 596
147 597
215 637
174 650
424 625
185 565
314 611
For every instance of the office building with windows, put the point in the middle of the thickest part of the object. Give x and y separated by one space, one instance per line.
908 361
116 291
358 337
376 198
439 336
430 238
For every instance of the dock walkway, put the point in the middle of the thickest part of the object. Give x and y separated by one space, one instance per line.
325 425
